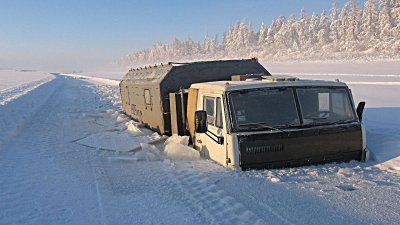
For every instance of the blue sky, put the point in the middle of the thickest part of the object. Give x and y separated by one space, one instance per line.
78 34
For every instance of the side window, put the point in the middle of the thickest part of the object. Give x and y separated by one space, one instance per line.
208 106
218 120
147 97
214 111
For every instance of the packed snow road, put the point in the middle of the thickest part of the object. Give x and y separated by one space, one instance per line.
47 176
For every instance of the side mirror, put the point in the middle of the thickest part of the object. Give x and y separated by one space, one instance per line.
360 110
200 118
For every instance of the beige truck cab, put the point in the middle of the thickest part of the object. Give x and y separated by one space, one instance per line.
270 122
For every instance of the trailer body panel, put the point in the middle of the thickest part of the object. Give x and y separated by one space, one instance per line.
161 80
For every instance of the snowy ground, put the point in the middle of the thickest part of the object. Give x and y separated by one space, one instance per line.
57 167
15 83
13 78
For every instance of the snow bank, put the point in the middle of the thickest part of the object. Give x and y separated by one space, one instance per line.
8 95
176 148
183 140
14 78
94 80
178 151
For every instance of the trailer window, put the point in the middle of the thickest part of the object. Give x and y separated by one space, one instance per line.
147 97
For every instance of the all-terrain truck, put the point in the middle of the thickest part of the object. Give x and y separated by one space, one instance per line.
239 115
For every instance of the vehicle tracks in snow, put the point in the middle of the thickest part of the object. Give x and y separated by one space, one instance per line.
43 179
206 197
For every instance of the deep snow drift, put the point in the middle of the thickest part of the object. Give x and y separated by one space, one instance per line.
48 177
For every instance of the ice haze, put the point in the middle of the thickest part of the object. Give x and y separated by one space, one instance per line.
76 35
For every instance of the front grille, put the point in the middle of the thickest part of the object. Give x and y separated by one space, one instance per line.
257 149
303 146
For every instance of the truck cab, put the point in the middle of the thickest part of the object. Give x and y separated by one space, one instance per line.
256 121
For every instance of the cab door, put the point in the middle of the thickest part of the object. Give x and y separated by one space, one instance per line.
212 144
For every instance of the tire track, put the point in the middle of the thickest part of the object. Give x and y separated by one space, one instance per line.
207 198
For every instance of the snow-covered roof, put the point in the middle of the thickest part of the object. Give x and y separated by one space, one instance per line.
240 85
193 72
151 74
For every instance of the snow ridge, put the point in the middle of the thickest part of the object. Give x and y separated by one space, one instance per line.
10 94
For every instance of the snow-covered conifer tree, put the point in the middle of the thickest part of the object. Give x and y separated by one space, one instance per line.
353 25
274 29
207 44
369 20
344 24
214 45
395 12
313 29
262 35
303 25
335 23
292 35
324 29
223 43
385 20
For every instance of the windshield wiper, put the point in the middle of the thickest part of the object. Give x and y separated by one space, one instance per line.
316 118
341 121
327 123
262 124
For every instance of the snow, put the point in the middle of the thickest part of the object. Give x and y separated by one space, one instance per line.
14 78
92 79
122 135
114 141
18 104
183 140
14 84
176 148
47 177
178 151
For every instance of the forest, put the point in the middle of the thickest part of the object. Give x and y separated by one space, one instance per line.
367 32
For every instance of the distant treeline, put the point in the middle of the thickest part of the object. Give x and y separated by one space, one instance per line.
372 31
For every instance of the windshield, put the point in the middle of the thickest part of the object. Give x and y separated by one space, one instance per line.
264 108
324 105
274 108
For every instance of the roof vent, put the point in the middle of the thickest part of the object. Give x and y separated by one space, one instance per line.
279 78
248 77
